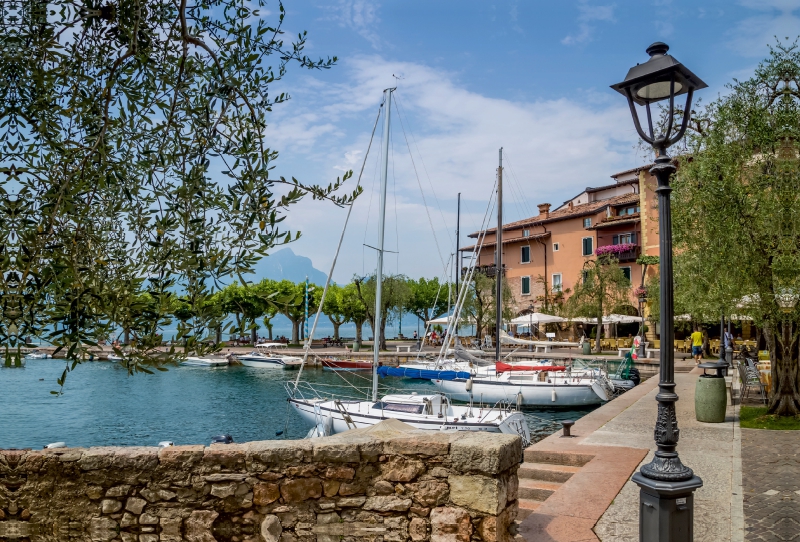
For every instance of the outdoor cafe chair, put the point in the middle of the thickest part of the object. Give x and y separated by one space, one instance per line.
750 379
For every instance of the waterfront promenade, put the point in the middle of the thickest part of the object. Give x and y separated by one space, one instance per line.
599 502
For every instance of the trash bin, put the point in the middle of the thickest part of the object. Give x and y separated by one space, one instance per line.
355 347
710 395
587 348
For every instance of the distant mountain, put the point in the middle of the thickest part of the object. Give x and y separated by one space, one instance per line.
285 264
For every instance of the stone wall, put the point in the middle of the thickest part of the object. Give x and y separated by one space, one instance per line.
439 486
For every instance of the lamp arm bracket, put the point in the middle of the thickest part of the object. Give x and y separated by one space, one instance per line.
635 115
687 112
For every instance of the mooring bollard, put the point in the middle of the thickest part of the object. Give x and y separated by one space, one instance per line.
566 425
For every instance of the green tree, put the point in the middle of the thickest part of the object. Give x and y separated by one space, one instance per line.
394 295
427 298
334 307
292 303
353 309
737 213
134 144
247 306
601 287
480 306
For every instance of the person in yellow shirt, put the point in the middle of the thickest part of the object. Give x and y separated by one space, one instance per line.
697 345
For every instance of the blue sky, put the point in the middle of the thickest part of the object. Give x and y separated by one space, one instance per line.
531 77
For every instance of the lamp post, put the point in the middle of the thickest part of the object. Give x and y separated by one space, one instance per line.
666 507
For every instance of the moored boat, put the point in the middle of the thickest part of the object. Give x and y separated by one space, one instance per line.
195 361
265 357
346 365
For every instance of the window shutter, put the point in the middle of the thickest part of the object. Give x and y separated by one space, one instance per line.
616 240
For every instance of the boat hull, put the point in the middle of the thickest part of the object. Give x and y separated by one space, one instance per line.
267 363
204 362
325 413
346 365
545 394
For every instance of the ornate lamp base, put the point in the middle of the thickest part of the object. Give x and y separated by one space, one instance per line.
666 508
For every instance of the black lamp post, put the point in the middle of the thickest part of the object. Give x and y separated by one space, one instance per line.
667 486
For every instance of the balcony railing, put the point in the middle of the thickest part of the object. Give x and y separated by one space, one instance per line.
625 252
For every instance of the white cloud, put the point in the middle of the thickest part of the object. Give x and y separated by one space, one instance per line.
358 15
555 147
588 14
753 35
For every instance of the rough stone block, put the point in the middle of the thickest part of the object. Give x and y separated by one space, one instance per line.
276 452
96 458
147 519
137 458
330 487
197 526
488 453
340 472
148 537
94 492
301 489
181 456
103 528
418 529
351 489
128 519
399 469
450 524
430 493
225 456
170 528
271 528
110 506
350 502
327 451
223 490
480 493
135 505
382 487
428 444
387 503
118 491
265 493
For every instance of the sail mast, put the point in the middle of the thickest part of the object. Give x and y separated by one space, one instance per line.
458 253
499 258
376 329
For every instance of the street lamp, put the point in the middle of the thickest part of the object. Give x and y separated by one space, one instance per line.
666 498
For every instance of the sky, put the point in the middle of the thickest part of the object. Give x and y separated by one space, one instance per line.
532 77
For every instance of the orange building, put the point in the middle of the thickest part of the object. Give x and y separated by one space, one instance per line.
549 250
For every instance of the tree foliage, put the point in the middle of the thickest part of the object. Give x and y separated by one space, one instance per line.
737 212
428 298
135 158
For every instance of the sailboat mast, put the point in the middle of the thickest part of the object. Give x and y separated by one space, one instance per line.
499 258
376 329
458 254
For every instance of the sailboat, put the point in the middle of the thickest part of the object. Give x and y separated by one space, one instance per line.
434 411
527 385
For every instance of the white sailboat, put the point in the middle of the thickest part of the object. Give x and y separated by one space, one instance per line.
530 384
424 411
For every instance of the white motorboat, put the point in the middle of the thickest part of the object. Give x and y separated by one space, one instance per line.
195 361
558 387
36 354
432 412
266 357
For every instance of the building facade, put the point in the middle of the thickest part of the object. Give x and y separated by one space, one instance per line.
547 252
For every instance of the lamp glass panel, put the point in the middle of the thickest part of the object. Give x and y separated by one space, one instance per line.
657 91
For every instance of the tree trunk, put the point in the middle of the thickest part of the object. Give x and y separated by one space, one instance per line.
295 331
598 334
269 329
359 333
784 397
383 335
219 334
253 333
336 331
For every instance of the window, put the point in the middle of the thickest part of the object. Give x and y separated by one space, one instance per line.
628 211
627 272
623 238
555 247
526 255
588 246
556 282
587 222
526 286
526 233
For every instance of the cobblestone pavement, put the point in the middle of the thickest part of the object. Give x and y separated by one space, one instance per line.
771 480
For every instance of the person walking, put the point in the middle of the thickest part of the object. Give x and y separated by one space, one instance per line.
697 346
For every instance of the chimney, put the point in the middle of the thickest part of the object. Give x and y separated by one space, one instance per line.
570 204
544 210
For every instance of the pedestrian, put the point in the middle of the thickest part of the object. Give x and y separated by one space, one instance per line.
415 335
728 340
697 345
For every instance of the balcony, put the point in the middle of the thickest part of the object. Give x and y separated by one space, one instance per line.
626 252
488 270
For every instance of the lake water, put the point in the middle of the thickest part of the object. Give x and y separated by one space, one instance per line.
103 406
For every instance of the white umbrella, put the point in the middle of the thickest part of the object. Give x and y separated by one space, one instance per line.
583 320
621 319
445 320
536 318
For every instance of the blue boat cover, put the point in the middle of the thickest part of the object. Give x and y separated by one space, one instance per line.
423 374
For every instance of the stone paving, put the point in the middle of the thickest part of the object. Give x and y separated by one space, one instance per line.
771 479
713 451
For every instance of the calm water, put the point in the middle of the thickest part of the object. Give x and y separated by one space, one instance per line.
103 406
